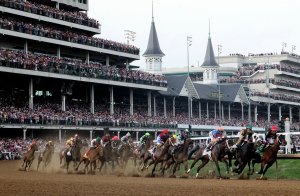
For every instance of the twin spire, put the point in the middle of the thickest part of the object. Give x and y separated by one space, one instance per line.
153 48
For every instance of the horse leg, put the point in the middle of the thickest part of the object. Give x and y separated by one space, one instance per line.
174 168
193 164
153 169
76 168
38 165
204 162
218 169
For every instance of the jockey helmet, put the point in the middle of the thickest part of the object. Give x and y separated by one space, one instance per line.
98 139
76 136
147 134
107 134
128 134
50 142
249 126
174 136
165 131
186 130
220 128
274 128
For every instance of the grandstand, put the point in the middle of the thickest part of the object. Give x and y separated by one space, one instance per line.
57 77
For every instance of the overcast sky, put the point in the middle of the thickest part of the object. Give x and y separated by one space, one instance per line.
240 26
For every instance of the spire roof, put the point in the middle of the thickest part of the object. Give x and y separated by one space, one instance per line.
153 48
209 59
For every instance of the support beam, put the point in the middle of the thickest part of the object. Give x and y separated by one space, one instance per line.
229 112
165 108
92 96
131 101
191 105
222 112
255 113
119 134
31 94
87 57
149 104
127 65
24 134
57 5
136 136
91 135
58 54
63 103
174 107
279 113
26 46
200 115
291 115
215 109
242 111
207 111
154 105
112 102
269 112
107 61
59 135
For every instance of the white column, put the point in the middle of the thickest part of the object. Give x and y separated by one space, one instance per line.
119 134
92 96
207 111
299 115
200 115
215 109
154 105
155 136
58 52
107 61
91 135
242 111
63 103
59 135
136 136
149 103
222 111
191 110
127 64
229 112
279 113
255 113
31 93
174 107
24 133
165 108
87 57
26 46
111 89
291 115
287 127
57 5
131 101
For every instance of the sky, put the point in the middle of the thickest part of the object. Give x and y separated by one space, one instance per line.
240 26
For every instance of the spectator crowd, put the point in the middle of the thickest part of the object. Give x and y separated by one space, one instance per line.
51 12
47 63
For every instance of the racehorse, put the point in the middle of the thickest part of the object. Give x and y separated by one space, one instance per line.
91 158
161 155
218 152
243 156
269 156
46 156
109 154
29 157
139 152
125 153
180 156
145 155
73 154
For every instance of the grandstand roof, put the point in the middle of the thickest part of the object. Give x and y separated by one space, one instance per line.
229 92
209 60
153 48
175 85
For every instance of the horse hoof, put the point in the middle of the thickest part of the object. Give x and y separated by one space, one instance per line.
188 171
197 175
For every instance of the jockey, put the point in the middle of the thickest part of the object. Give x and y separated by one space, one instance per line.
161 138
75 140
105 139
271 135
144 138
69 142
182 136
115 138
245 135
124 140
48 145
215 136
94 144
33 143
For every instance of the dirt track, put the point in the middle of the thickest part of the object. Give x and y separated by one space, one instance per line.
55 182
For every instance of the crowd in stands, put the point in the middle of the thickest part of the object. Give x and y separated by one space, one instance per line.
281 97
47 63
249 70
37 29
44 10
